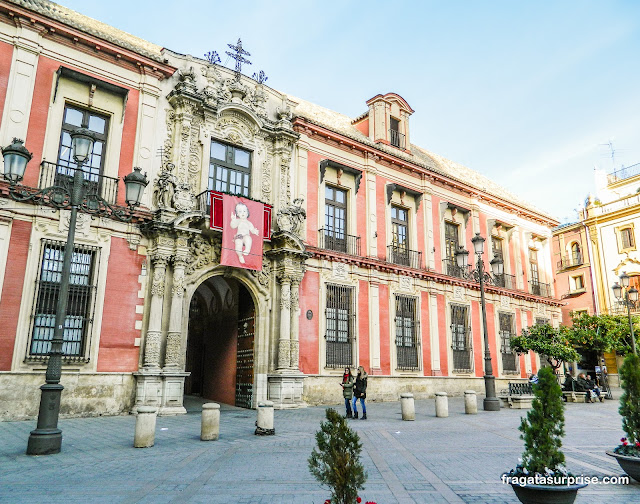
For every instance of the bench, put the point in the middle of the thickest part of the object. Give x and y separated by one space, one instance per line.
519 395
573 396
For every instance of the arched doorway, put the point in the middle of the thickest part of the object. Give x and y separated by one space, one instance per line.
220 342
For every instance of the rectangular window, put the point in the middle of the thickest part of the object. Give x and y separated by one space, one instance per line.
578 283
400 236
541 321
395 137
460 342
509 362
76 117
535 278
229 169
407 332
335 219
451 245
340 326
626 237
80 304
496 246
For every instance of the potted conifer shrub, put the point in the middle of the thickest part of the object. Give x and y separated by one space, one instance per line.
541 477
628 452
335 461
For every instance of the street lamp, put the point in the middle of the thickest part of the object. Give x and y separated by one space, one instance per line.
630 297
491 402
47 437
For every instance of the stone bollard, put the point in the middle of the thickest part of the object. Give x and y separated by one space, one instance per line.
145 427
210 428
470 402
264 424
442 405
408 407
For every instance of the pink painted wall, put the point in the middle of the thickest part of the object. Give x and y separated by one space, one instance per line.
425 330
309 329
363 325
385 356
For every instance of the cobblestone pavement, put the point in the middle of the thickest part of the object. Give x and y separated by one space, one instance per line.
432 460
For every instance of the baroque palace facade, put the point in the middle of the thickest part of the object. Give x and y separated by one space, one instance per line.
358 246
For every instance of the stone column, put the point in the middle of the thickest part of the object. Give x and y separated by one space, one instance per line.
284 343
295 324
154 330
173 351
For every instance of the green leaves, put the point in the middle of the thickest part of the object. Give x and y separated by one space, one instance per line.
335 461
630 400
546 340
543 427
600 333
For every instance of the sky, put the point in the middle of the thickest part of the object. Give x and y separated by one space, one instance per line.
532 94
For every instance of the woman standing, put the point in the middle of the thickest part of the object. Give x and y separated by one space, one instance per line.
347 390
360 392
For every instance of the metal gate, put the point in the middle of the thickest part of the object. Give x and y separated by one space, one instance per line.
244 362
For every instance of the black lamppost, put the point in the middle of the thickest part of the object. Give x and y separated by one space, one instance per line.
630 297
47 437
491 402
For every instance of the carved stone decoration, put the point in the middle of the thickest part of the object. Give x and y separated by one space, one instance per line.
285 178
152 349
164 187
295 353
168 143
184 199
194 154
173 350
83 223
177 290
285 295
266 178
186 80
263 276
291 218
203 252
284 353
256 100
237 122
157 287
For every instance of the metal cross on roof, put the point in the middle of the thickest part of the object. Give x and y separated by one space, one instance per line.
237 55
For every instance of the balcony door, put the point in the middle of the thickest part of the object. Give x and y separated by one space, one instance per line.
335 219
451 244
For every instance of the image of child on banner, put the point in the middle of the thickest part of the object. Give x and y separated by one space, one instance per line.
244 228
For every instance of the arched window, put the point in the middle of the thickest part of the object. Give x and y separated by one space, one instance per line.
576 256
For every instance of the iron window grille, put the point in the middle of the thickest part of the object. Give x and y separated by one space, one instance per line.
229 169
340 316
73 118
407 332
460 339
541 321
335 219
81 301
509 357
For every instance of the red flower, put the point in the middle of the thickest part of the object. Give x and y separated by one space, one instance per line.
358 500
327 501
637 444
625 443
622 440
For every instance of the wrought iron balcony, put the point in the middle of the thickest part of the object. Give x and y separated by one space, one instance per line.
540 289
397 139
52 174
404 257
450 267
462 360
340 242
505 281
569 261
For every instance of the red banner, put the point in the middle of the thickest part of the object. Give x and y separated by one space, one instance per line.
242 231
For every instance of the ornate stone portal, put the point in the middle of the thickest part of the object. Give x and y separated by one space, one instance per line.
184 251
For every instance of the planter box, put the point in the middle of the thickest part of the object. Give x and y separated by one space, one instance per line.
630 465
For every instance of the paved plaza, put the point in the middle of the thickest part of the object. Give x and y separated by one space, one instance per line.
432 460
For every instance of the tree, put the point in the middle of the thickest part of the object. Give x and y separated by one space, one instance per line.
546 341
335 462
600 333
630 400
543 427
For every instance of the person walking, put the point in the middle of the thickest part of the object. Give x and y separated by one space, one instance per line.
347 390
360 392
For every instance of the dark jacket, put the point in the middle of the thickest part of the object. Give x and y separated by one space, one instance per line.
347 388
360 389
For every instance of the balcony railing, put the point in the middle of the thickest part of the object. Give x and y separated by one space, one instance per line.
451 268
396 139
540 289
338 241
569 261
462 361
505 281
623 173
52 174
404 257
